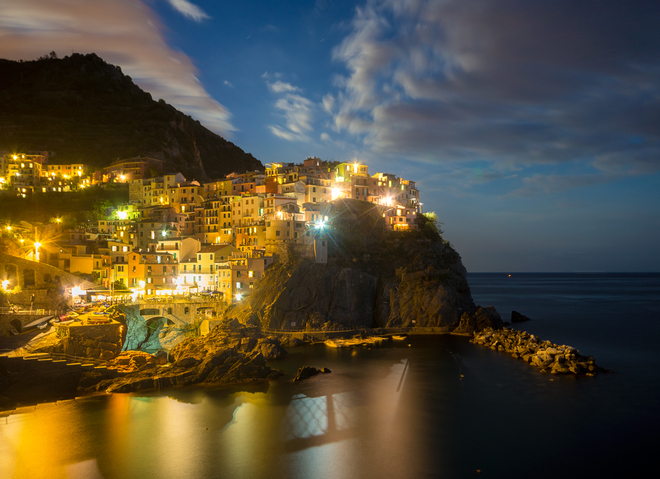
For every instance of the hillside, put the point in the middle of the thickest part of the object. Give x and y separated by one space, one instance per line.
85 110
373 279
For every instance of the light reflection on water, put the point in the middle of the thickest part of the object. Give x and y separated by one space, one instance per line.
441 408
299 430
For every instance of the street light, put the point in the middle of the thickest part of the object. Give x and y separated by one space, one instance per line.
36 249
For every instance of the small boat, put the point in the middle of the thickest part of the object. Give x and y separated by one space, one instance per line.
397 337
38 323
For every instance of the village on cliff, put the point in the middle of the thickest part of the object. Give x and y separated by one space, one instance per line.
175 237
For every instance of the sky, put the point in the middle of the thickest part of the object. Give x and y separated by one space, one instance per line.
532 128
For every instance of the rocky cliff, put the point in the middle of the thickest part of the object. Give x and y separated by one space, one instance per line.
85 110
229 355
373 279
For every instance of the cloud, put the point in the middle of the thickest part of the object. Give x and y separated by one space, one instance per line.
122 32
328 103
228 83
506 81
325 137
281 87
295 108
189 10
298 113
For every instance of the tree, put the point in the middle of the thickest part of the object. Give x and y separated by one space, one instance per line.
428 224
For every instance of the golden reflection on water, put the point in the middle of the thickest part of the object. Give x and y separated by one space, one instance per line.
318 429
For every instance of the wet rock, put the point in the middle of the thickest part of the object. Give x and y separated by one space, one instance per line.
516 317
270 348
544 355
307 372
483 318
290 341
225 356
188 362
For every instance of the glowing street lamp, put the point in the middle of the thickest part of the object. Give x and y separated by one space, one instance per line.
5 285
36 249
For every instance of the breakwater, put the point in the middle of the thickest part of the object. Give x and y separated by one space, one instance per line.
544 355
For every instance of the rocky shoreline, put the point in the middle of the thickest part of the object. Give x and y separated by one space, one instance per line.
544 355
237 354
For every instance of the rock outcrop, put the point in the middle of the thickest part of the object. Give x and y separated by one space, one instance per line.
516 317
225 356
377 280
544 355
483 318
307 372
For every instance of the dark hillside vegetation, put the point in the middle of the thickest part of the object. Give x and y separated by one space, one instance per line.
85 110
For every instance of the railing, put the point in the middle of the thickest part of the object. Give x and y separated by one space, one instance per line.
33 312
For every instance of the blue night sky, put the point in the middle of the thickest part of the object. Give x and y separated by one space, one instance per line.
532 128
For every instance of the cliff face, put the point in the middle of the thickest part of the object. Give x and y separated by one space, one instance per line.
371 280
305 295
85 110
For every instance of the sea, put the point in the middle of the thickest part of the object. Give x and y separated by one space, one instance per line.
424 407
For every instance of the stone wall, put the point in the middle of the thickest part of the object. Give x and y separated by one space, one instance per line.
99 341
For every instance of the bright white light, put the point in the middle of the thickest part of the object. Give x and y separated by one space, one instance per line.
76 291
142 283
122 215
335 193
239 296
5 284
320 224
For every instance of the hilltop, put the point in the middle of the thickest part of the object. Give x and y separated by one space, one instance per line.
85 110
374 278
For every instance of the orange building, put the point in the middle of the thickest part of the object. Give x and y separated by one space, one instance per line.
152 272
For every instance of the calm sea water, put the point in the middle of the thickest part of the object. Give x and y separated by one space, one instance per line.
425 407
